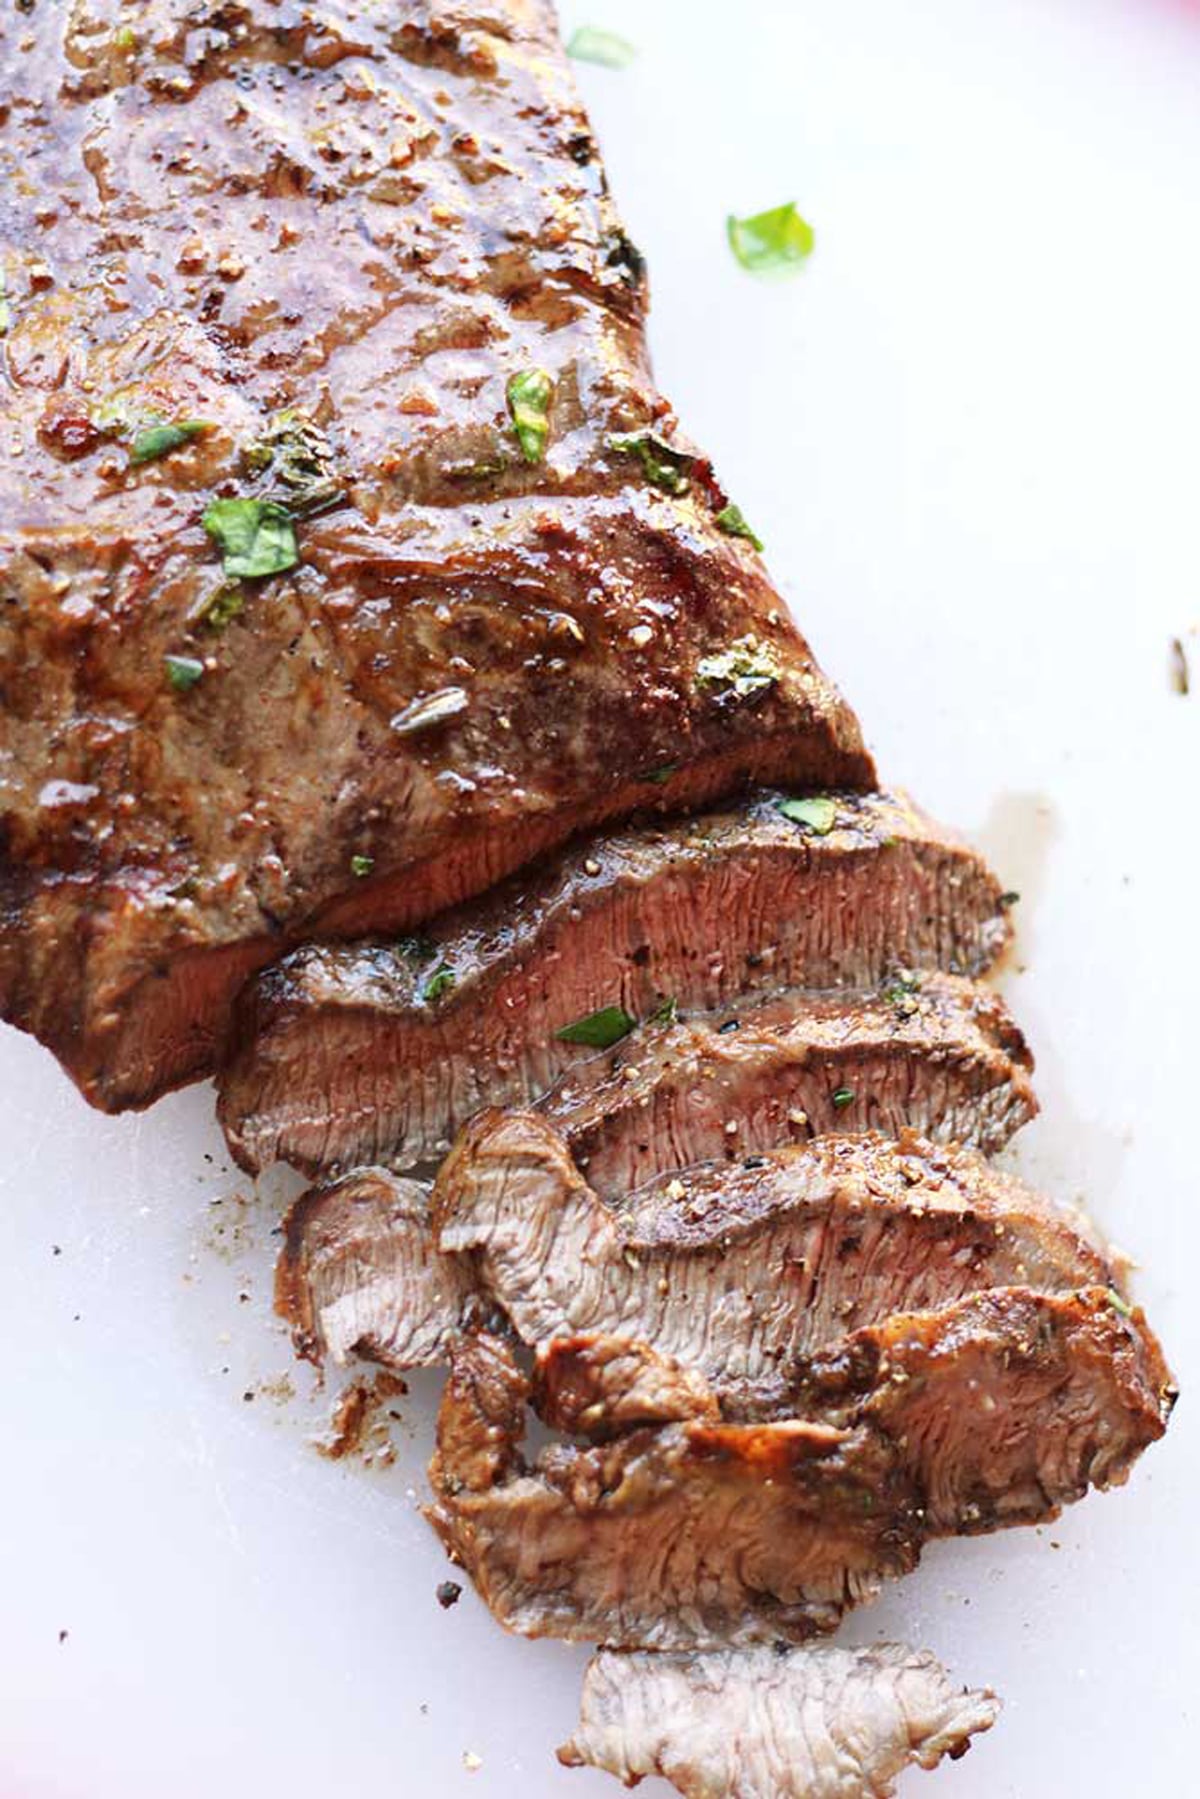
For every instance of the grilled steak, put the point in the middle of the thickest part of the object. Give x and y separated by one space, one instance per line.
736 1271
379 1051
603 1386
1003 1407
693 1534
996 1410
351 562
933 1053
360 1275
814 1723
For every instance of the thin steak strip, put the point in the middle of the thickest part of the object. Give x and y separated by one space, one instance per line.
381 1050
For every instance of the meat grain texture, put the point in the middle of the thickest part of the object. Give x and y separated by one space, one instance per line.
817 1723
322 242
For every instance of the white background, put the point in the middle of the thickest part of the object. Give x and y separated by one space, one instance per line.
970 434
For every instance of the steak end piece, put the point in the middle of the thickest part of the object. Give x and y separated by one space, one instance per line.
820 1722
311 635
697 1533
379 1051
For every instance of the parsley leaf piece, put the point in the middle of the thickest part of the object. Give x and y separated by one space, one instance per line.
439 982
1119 1304
257 537
183 672
732 520
297 462
667 1013
771 241
160 440
361 865
747 667
661 462
842 1098
818 815
529 404
603 47
5 308
599 1030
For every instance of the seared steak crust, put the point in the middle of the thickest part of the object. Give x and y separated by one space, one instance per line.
737 1270
693 1534
813 1723
325 246
380 1050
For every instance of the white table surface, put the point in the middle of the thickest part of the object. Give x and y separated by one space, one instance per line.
970 434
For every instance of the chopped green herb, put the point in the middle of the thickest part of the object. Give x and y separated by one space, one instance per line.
902 989
599 1030
183 672
661 462
221 605
843 1097
603 47
660 776
1118 1303
361 865
5 308
416 949
160 440
297 462
125 38
732 520
257 537
1007 899
667 1013
771 241
747 667
529 404
818 815
439 982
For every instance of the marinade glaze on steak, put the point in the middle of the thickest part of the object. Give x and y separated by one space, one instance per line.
328 238
378 1051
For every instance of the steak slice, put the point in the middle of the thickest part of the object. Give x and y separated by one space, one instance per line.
737 1270
933 1053
814 1723
381 1050
360 1274
426 642
1003 1407
997 1410
693 1534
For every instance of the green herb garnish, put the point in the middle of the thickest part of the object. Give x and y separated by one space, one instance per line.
125 38
667 1013
297 462
439 982
223 604
660 776
529 404
817 815
599 1030
842 1098
160 440
183 672
257 537
603 47
1006 900
770 241
361 865
747 667
1117 1303
732 520
5 308
661 462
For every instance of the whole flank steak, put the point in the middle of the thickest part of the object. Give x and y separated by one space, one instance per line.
351 558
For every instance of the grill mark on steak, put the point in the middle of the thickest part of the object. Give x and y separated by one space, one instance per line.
737 1271
665 1538
816 1723
432 234
994 1411
342 1057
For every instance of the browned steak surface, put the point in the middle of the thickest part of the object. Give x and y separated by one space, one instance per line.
380 1050
820 1722
995 1410
292 258
695 1533
737 1270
